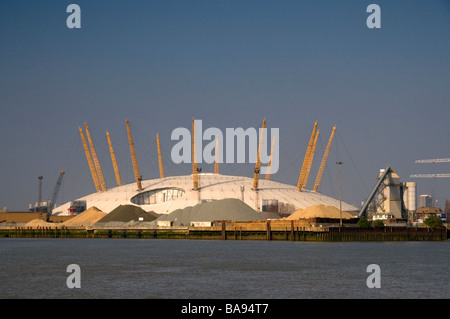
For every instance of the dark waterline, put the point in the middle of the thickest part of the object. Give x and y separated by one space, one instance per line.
133 268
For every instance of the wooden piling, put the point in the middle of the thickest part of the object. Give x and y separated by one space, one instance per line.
268 231
224 234
292 230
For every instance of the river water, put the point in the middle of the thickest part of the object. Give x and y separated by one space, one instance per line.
184 269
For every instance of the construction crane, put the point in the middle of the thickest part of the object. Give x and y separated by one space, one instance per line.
432 161
194 159
137 176
430 176
306 160
114 162
258 158
52 201
161 167
95 158
269 165
435 160
90 163
324 162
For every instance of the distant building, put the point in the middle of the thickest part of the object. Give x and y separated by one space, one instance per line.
425 201
425 212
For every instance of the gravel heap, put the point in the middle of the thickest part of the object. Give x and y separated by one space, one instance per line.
225 209
319 211
86 218
125 214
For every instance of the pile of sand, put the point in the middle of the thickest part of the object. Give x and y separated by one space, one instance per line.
35 223
319 211
125 214
225 209
86 218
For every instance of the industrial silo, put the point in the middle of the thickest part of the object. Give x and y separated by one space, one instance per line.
410 196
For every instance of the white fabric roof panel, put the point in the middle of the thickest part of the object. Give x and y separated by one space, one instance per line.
212 187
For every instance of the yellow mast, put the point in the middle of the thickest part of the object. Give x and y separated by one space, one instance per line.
95 158
216 164
269 165
113 159
306 160
194 158
258 158
311 157
89 159
161 167
324 161
137 176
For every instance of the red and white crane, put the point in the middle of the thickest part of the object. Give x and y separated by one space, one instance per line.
432 161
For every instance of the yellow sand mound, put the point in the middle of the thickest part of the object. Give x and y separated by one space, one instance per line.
319 211
88 217
35 223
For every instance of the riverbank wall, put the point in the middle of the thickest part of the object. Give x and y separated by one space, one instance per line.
237 231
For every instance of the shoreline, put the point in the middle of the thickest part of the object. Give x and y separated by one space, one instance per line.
234 232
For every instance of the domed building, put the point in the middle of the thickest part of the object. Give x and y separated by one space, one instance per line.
164 195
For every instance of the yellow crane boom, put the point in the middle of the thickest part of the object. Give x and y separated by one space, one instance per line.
161 166
89 160
269 165
194 158
301 178
114 162
95 158
324 161
311 157
258 158
137 176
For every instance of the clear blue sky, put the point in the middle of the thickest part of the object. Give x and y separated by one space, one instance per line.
229 63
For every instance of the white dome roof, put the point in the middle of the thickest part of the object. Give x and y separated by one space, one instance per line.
211 187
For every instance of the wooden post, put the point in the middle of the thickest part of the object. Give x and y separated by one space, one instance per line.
292 230
224 236
268 232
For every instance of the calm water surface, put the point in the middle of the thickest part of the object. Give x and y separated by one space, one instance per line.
154 268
